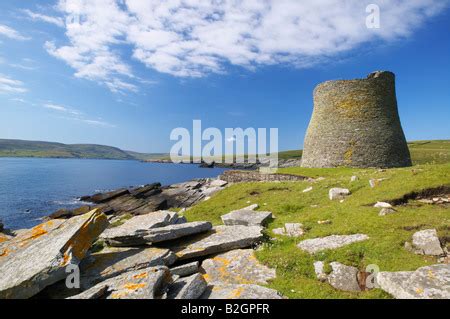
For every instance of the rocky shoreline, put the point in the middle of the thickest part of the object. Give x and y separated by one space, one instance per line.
136 244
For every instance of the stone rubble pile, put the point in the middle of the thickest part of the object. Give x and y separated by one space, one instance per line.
153 255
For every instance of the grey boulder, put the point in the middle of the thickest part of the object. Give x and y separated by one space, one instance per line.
338 193
426 242
343 277
430 282
186 269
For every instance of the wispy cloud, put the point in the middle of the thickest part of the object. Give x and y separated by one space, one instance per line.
195 38
71 113
9 85
11 33
58 21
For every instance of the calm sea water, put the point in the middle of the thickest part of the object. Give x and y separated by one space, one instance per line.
31 188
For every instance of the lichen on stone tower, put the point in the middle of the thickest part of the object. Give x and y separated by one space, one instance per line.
356 123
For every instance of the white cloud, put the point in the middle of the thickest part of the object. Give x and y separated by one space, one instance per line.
192 38
58 21
9 85
11 33
74 114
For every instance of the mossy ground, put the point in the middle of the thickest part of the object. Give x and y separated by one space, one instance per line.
295 272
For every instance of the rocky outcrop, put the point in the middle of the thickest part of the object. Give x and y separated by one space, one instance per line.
191 287
430 282
38 258
236 267
253 176
315 245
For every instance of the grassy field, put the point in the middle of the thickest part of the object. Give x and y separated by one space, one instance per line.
295 272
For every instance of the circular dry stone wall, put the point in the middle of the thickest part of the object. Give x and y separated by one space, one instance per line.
355 123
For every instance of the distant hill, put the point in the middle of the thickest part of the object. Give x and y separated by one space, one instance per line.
21 148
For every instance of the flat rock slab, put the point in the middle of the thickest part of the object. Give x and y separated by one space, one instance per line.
113 261
290 230
430 282
219 239
315 245
246 218
236 267
186 269
41 261
230 291
343 277
130 232
191 287
426 242
149 283
160 234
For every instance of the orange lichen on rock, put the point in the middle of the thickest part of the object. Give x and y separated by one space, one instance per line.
134 287
141 276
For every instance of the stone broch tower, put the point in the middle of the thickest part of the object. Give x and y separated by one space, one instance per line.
356 123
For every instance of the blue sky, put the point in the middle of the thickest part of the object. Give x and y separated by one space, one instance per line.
125 73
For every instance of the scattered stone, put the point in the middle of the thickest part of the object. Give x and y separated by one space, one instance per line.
324 222
430 282
186 269
426 242
343 277
246 218
160 234
149 283
338 193
354 178
230 291
113 261
187 288
306 190
236 267
315 245
41 259
218 240
386 211
382 205
290 230
319 270
218 183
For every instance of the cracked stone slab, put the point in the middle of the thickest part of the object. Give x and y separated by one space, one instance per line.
315 245
246 218
430 282
344 277
113 261
186 269
160 234
233 291
426 242
219 239
149 283
191 287
236 267
131 230
46 252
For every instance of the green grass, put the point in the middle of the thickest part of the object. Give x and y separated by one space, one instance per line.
295 273
436 152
